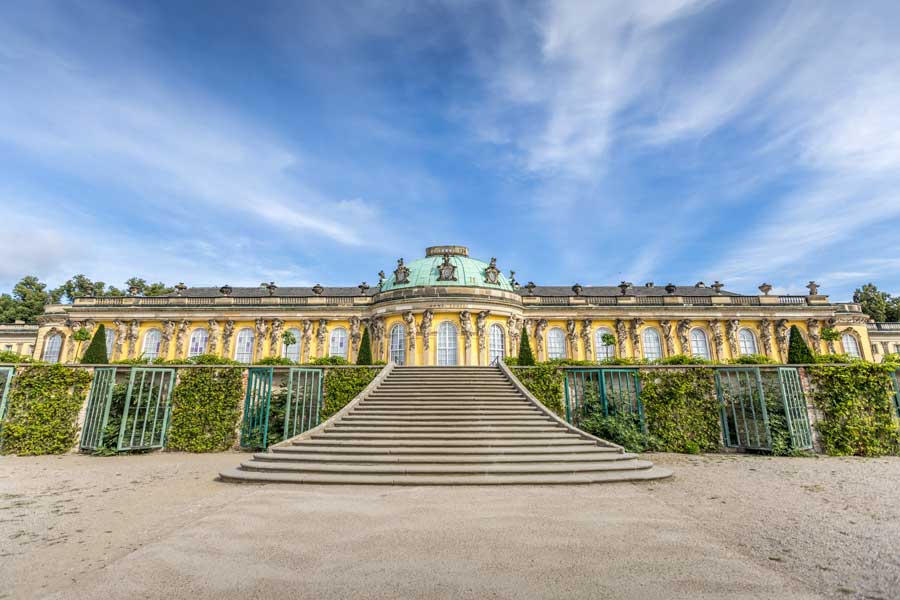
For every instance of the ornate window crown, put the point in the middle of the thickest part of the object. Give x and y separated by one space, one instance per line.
446 271
492 273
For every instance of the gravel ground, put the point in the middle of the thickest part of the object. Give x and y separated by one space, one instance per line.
725 526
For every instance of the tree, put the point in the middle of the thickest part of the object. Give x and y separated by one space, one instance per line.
892 311
872 301
96 351
526 358
364 357
798 352
28 299
147 289
79 285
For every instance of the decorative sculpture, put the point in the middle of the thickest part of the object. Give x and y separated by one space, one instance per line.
577 289
513 326
670 289
717 286
121 336
512 280
492 273
180 336
275 337
270 287
684 329
227 332
813 288
306 334
446 270
718 338
815 335
635 337
363 288
180 288
781 337
765 288
401 273
586 337
731 334
321 334
133 330
623 286
165 339
539 337
318 289
427 318
410 319
666 327
765 336
225 290
355 333
530 287
213 336
480 327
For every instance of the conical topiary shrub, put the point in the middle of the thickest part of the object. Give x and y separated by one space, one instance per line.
798 352
96 351
526 358
364 357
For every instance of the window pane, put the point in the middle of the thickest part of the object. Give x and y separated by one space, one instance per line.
603 351
851 347
556 343
398 344
652 347
446 347
338 346
292 352
497 344
243 348
699 347
199 339
747 342
151 345
52 347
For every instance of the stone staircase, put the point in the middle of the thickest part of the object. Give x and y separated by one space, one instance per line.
445 426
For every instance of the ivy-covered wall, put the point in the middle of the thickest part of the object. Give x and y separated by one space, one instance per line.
342 385
545 382
681 409
42 410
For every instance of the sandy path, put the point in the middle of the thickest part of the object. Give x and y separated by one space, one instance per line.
725 527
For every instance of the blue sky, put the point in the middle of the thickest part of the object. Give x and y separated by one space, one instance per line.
229 142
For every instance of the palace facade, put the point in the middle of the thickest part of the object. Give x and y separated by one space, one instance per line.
450 309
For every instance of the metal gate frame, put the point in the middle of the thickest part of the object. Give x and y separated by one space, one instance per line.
257 402
156 438
611 385
97 413
739 378
795 408
8 373
309 412
896 394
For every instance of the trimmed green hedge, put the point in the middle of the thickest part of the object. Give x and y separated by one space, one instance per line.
681 409
857 401
206 407
545 383
42 410
342 385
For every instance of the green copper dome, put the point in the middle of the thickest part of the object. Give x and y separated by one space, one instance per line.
428 271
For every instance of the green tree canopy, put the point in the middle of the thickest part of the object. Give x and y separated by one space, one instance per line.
96 351
27 301
872 301
365 349
798 352
526 358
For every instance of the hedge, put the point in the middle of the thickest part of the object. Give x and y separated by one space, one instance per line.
342 385
545 382
42 410
681 409
857 401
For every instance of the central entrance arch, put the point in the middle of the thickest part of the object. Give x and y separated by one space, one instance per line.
447 351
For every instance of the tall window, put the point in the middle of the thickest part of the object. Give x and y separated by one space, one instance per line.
497 343
150 349
604 351
110 340
851 346
446 344
292 352
652 347
338 345
556 343
197 345
747 342
699 345
243 347
398 344
52 348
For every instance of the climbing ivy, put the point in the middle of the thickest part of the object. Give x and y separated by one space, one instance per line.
42 410
857 401
206 406
545 383
342 385
681 409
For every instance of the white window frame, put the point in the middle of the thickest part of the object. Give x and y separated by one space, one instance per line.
195 346
448 344
604 351
853 348
152 342
337 345
52 348
292 352
556 343
747 342
243 346
398 344
496 343
698 350
652 344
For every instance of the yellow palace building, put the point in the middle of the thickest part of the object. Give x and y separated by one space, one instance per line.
450 309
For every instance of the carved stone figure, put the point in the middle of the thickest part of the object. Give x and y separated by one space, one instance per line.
530 287
514 327
69 355
492 273
829 324
133 330
666 326
731 334
213 336
481 328
318 290
165 339
381 278
261 335
586 325
635 337
765 336
306 333
815 335
813 288
275 338
465 322
621 336
180 336
684 332
572 337
781 337
718 338
539 337
427 318
401 273
355 333
121 335
410 319
227 333
446 270
321 334
378 336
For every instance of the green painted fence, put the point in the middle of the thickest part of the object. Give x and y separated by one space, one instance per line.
257 403
98 405
6 377
304 401
148 405
589 391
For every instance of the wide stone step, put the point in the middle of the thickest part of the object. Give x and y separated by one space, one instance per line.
434 420
461 469
539 427
241 476
444 458
440 436
502 446
404 412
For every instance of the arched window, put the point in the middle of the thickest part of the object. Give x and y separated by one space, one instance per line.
652 347
197 345
851 346
150 349
446 344
338 345
604 351
699 344
110 340
52 348
243 347
292 352
398 344
747 342
556 343
497 343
